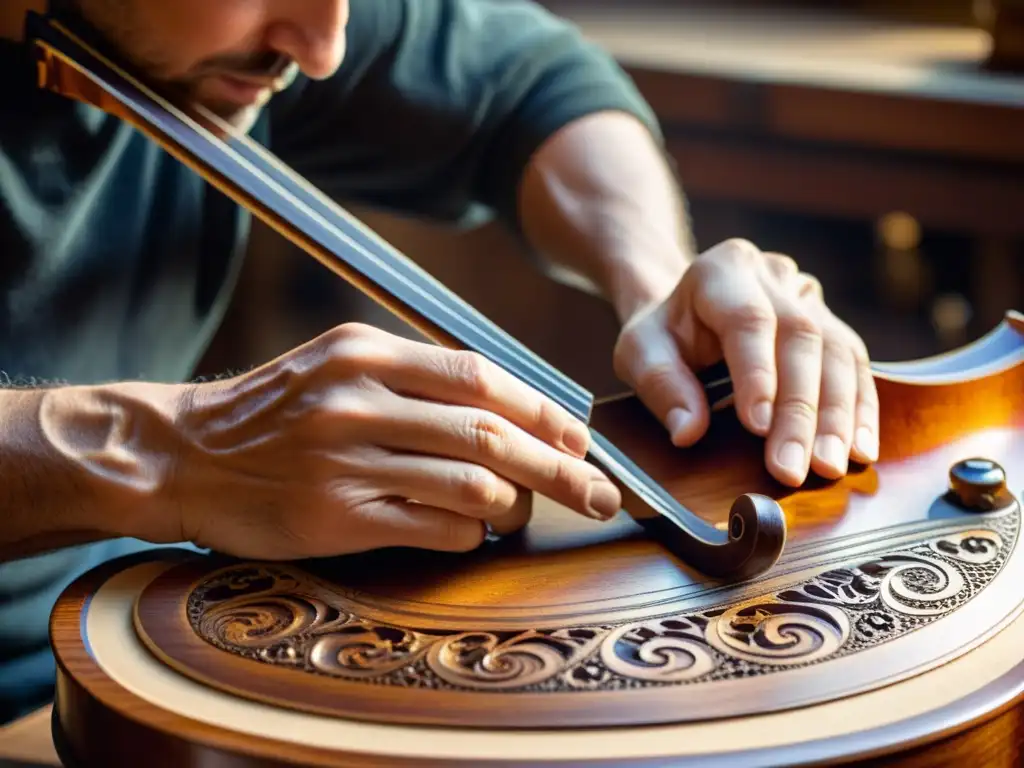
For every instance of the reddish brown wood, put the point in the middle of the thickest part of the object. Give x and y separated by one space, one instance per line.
556 560
559 562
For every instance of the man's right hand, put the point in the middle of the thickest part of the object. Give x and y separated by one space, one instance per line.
361 439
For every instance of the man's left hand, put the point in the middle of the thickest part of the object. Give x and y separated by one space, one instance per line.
801 376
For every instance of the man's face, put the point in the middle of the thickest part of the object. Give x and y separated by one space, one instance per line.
229 56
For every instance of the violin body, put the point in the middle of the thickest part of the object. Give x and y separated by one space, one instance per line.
720 619
889 631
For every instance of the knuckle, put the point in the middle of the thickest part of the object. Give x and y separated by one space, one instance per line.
740 246
547 413
358 346
655 377
474 372
488 435
799 411
751 317
477 488
842 335
837 418
838 349
570 485
349 407
758 380
783 263
346 332
810 285
799 323
462 534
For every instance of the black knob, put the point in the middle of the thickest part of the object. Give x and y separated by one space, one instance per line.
979 485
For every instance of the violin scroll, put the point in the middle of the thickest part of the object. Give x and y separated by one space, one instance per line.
751 542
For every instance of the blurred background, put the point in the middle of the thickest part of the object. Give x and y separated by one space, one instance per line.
881 144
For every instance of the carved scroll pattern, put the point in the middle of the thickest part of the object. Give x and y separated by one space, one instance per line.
283 617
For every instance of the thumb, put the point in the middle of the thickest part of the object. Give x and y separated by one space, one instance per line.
648 359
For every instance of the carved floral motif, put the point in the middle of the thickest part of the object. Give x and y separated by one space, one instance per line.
283 617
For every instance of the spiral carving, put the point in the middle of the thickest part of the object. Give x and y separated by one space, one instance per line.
921 586
259 622
779 633
278 615
654 652
366 651
482 660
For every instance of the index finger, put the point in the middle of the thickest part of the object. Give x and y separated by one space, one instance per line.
469 379
484 438
738 310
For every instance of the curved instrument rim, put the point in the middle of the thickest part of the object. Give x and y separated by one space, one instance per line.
913 371
1010 333
87 697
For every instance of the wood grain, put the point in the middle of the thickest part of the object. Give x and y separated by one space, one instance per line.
924 421
565 576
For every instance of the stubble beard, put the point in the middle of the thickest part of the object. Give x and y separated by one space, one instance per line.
116 20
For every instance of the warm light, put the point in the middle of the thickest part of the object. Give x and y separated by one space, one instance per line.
899 231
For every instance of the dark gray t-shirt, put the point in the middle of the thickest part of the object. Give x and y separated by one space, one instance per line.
117 262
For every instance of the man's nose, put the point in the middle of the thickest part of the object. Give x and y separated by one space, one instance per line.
312 33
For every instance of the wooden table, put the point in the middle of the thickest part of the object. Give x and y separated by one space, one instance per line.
27 742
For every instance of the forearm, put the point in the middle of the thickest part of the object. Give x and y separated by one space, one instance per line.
80 464
599 198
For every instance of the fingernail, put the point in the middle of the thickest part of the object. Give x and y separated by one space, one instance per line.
867 444
761 416
676 421
829 449
576 439
793 457
604 500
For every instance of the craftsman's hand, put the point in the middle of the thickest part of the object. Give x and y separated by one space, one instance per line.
361 439
800 375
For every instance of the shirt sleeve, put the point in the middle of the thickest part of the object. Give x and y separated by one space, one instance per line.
439 105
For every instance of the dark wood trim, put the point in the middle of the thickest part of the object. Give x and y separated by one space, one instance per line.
851 183
952 125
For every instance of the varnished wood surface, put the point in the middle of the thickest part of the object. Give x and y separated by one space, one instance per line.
567 572
996 744
939 426
89 704
561 575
